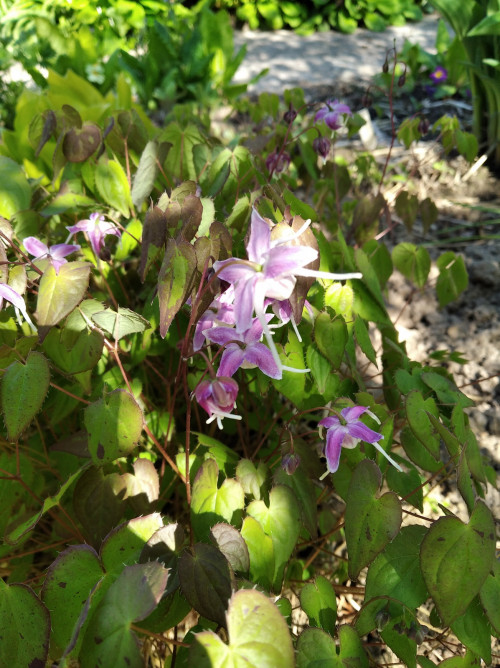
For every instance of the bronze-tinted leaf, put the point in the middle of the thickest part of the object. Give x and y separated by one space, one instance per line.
80 144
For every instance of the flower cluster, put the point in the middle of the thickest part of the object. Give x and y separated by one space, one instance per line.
260 289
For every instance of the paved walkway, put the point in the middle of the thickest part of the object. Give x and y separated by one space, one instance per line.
324 58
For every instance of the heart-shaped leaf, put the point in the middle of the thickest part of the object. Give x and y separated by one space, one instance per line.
80 143
331 337
25 624
282 522
316 648
261 551
230 542
318 601
258 636
114 425
490 597
370 522
23 391
456 559
68 583
59 293
133 596
206 581
125 544
417 409
121 323
211 504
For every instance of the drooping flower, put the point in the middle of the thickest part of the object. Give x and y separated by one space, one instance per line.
217 396
290 463
277 162
244 349
56 254
439 75
333 114
322 146
271 272
346 431
97 227
8 293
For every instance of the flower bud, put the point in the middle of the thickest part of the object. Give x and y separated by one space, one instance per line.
423 126
322 146
385 67
402 80
290 462
217 395
290 115
381 619
277 162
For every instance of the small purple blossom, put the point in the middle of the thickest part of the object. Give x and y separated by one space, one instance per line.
333 114
217 396
290 463
8 293
97 227
277 162
322 145
243 349
346 431
439 75
56 254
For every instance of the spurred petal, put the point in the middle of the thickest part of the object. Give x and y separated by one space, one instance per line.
361 431
353 413
260 238
59 251
334 438
330 421
284 260
244 300
35 247
261 356
231 360
234 270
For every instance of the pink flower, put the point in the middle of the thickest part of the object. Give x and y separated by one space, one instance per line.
333 114
346 431
217 396
56 254
8 293
97 228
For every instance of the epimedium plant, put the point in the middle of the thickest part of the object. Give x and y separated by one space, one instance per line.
204 397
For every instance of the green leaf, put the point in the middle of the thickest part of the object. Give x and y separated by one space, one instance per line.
316 649
211 504
15 191
25 627
412 262
230 542
408 485
318 601
452 279
417 410
331 337
68 583
370 522
490 25
132 597
175 280
261 551
401 644
490 597
144 178
125 544
456 559
206 581
258 636
473 630
180 160
407 208
305 491
113 186
59 293
74 357
114 425
23 391
281 521
396 570
364 341
252 477
120 324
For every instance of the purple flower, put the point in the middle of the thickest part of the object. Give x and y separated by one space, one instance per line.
290 462
220 311
346 431
321 146
8 293
270 272
243 349
439 75
277 162
56 254
333 114
217 396
97 228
